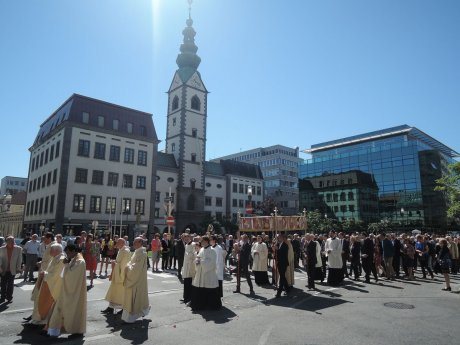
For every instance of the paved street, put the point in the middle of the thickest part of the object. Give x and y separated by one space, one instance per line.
352 314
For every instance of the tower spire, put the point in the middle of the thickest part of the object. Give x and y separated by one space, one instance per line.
188 61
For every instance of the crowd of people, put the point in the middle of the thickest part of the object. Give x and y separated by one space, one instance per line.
60 292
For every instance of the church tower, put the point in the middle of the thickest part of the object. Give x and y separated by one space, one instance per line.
186 131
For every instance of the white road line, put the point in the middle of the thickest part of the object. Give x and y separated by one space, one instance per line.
264 337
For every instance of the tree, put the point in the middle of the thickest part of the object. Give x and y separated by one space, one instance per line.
450 185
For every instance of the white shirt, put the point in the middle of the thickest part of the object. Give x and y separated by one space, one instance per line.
219 262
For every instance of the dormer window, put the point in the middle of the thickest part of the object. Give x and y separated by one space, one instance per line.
175 103
85 117
196 104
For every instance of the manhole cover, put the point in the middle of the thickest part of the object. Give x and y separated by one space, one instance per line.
399 305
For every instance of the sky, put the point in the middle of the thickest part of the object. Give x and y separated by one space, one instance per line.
294 72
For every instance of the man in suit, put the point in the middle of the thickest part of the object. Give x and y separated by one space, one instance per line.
297 250
367 255
10 264
310 254
165 247
282 263
180 252
397 255
243 262
345 253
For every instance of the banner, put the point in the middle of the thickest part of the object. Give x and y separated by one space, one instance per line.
268 223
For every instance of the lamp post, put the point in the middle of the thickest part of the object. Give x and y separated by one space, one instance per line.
127 215
304 213
42 227
168 205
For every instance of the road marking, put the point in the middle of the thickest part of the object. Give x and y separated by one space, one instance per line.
264 337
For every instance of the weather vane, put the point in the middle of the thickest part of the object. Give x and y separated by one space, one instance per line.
189 7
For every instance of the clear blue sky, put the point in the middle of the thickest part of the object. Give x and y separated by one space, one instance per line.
294 72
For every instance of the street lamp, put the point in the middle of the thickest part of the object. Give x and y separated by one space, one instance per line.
42 227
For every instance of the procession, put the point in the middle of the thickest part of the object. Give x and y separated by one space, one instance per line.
59 296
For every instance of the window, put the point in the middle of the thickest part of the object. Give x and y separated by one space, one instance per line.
41 158
46 155
127 181
235 188
140 182
114 153
336 208
99 151
81 175
241 190
30 186
40 211
335 197
171 196
44 181
193 157
98 177
36 207
54 176
33 164
157 196
35 185
39 182
95 204
126 205
36 162
343 208
47 200
110 205
173 147
112 179
174 122
196 104
259 190
343 196
85 117
28 208
79 203
129 156
51 153
234 203
58 147
191 202
351 208
139 206
208 201
143 130
142 158
175 103
241 203
52 204
192 183
351 196
115 124
328 197
219 186
83 148
219 202
100 121
194 132
129 127
157 213
170 179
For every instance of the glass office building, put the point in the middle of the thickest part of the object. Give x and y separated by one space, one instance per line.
387 174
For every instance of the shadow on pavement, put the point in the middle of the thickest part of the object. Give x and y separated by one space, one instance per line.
220 316
137 332
31 335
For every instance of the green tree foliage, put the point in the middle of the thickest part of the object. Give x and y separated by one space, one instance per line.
450 185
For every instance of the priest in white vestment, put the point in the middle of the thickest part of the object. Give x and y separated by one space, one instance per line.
333 249
50 286
219 263
205 292
188 268
136 298
69 312
116 293
259 253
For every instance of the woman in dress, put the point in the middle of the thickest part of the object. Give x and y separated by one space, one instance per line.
409 255
378 255
259 253
91 254
444 258
107 249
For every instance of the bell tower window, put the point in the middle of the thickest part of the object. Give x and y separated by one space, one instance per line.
194 132
192 183
196 104
175 103
173 147
193 157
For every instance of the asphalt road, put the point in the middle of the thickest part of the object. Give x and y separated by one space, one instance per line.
391 312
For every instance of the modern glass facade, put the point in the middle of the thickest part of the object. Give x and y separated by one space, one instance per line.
403 164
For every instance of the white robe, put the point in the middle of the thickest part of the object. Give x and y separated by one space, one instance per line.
116 293
334 258
259 254
219 262
319 261
188 268
206 276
